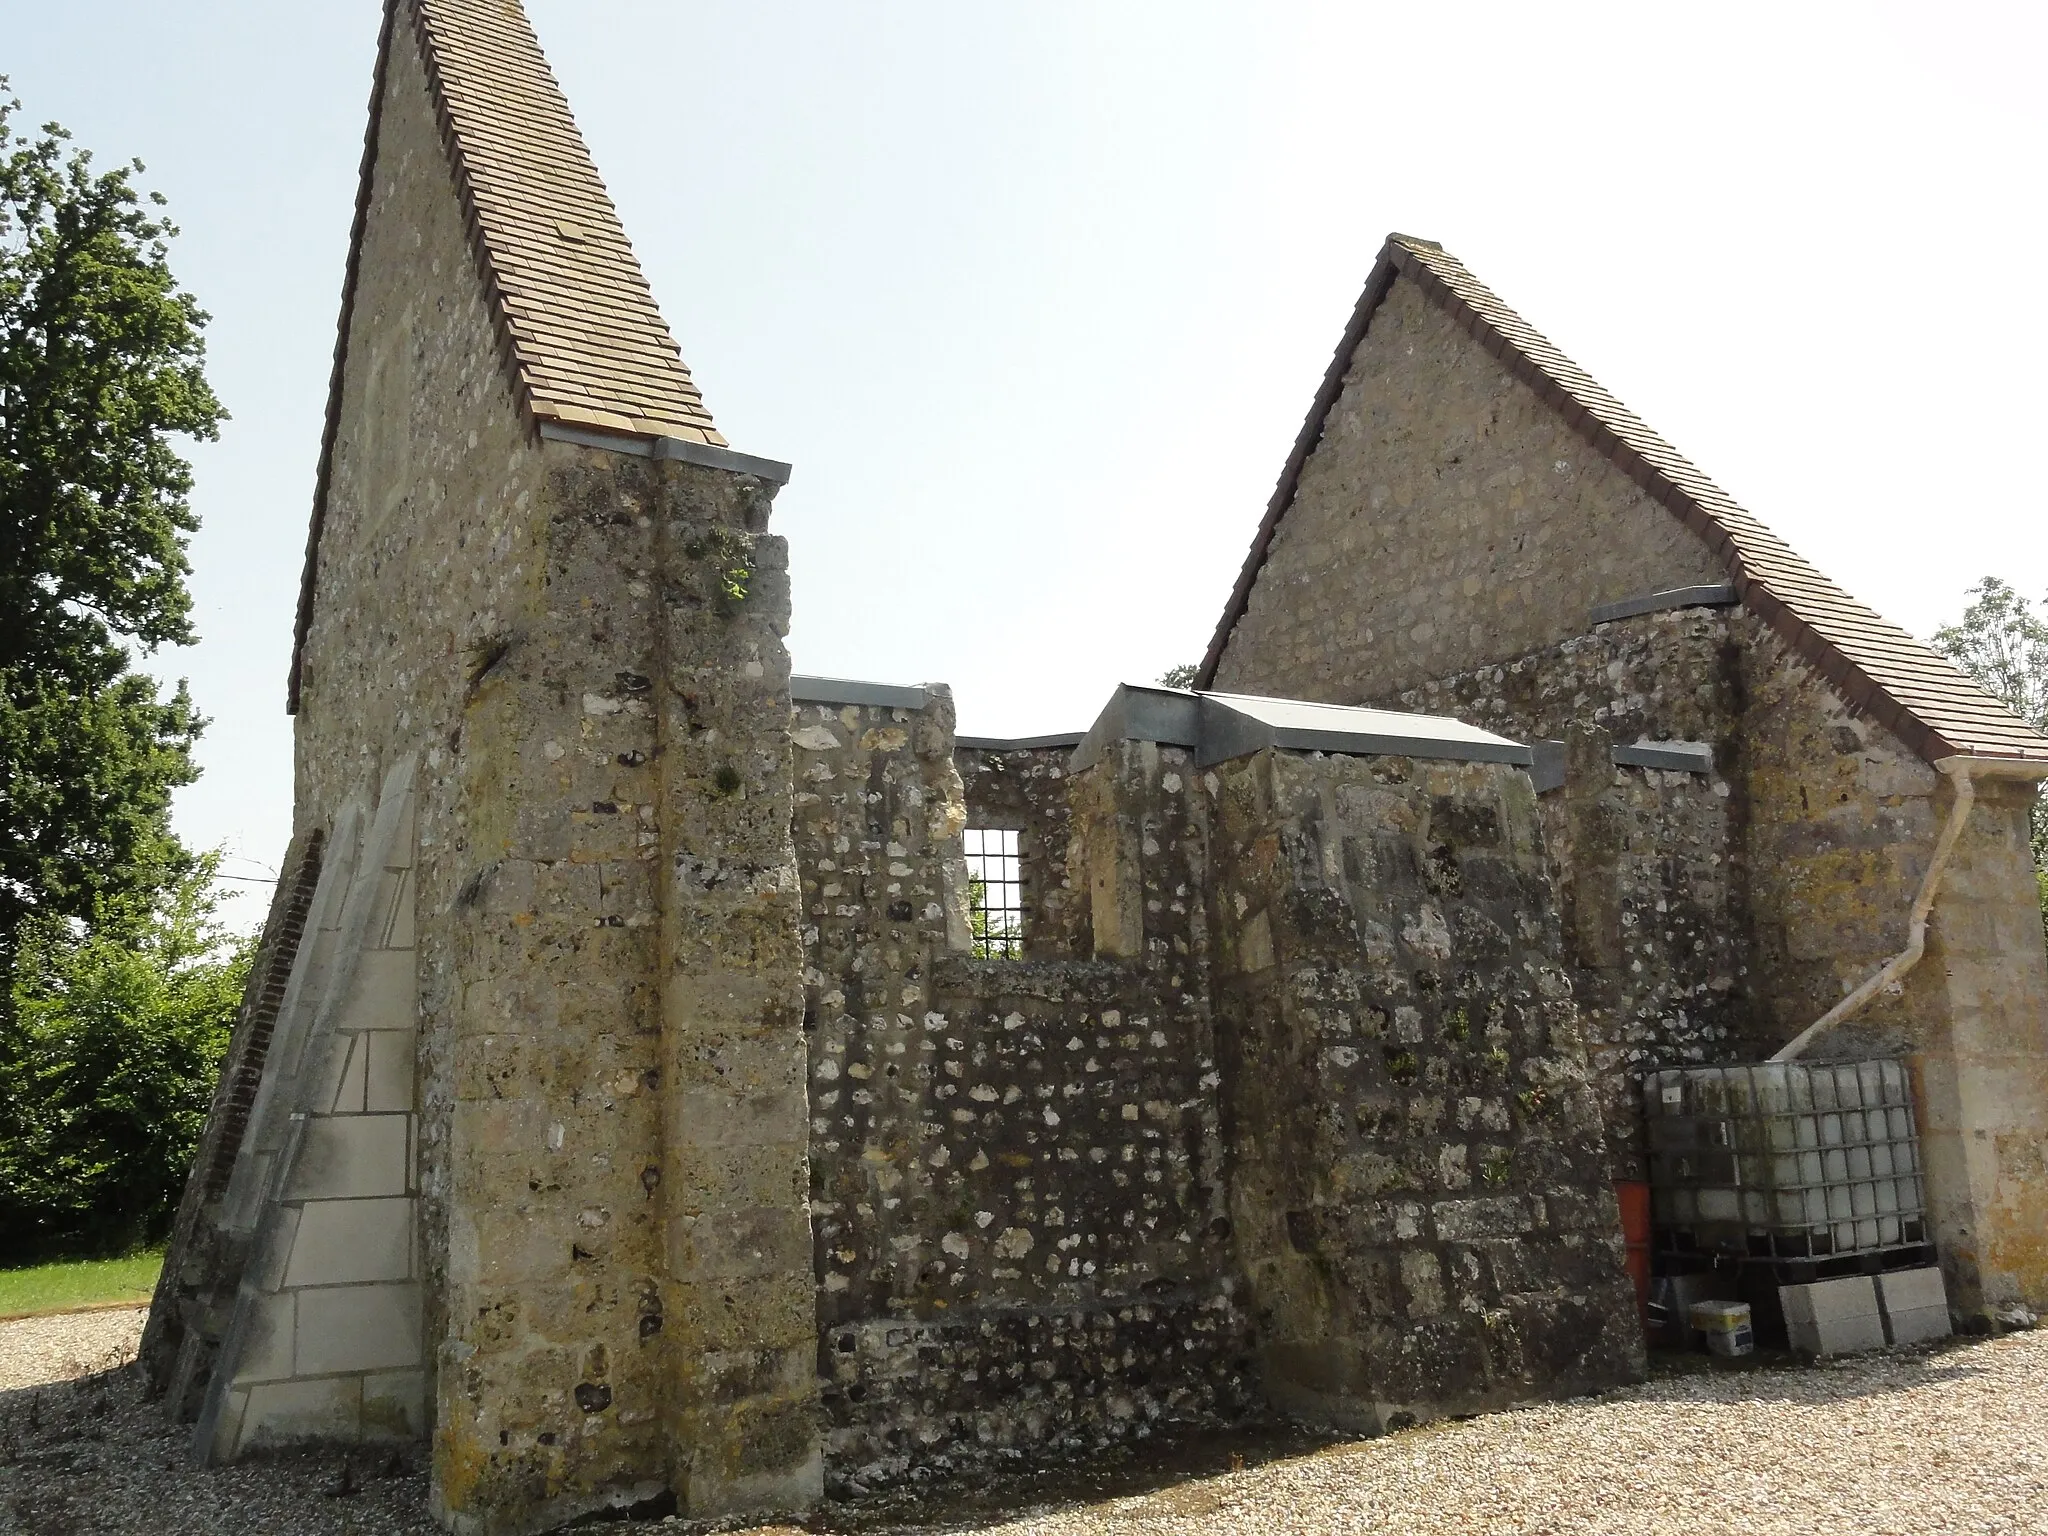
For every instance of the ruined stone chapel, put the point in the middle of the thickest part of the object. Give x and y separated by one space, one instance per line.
638 1096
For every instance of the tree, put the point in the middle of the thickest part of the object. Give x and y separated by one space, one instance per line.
1182 676
2003 643
107 1065
100 369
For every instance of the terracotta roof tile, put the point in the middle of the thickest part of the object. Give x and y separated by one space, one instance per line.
524 169
1936 709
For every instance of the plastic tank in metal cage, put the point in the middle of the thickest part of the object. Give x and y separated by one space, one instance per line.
1785 1160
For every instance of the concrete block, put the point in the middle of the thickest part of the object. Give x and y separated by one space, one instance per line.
351 1156
1906 1290
389 1075
1916 1325
1833 1317
359 1328
343 1242
299 1412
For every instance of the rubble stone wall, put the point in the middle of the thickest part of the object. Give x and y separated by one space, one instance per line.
1652 873
1026 790
1420 1193
584 648
1448 518
1021 1237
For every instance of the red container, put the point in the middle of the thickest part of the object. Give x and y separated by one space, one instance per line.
1634 1196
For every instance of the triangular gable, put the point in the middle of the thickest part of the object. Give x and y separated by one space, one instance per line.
584 344
1878 669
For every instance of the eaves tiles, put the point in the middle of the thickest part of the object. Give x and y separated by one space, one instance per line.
1878 669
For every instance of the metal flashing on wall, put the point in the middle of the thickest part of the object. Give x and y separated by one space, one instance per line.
1671 756
1547 772
847 690
1018 743
1138 713
1719 594
681 449
1221 726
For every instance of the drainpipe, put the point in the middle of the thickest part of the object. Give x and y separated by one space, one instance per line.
1963 772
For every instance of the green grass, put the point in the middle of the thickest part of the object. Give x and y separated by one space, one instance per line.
87 1283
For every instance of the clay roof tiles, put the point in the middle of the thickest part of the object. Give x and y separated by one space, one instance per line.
1880 669
589 344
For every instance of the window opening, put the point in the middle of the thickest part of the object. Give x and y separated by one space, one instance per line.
995 893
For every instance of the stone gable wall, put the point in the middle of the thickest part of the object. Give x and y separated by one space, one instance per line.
1446 519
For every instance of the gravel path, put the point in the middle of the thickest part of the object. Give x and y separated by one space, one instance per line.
1950 1440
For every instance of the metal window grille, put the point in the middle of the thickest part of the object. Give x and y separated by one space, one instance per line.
995 872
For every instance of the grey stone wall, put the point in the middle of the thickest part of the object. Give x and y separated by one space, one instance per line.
1652 872
1026 790
1021 1236
584 650
1448 518
1420 1191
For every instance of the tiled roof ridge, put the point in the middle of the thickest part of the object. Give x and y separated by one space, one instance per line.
582 340
1878 669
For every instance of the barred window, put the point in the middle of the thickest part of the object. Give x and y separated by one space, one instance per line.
995 893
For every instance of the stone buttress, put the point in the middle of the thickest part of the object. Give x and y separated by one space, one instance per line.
524 1169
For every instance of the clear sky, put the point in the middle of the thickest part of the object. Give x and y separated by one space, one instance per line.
1034 296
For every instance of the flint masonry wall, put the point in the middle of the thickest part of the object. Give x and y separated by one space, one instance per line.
1022 1242
1420 1192
429 548
1842 821
1025 790
1447 519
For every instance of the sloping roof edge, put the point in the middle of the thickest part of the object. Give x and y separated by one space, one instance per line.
331 428
1878 669
544 392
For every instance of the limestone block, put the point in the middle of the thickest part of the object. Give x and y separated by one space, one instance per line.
351 1156
275 1251
267 1344
342 1242
299 1412
395 1405
388 1078
338 1079
358 1328
386 991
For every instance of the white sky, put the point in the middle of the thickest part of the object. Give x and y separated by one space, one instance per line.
1034 296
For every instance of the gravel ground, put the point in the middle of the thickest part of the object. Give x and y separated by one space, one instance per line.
1945 1440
